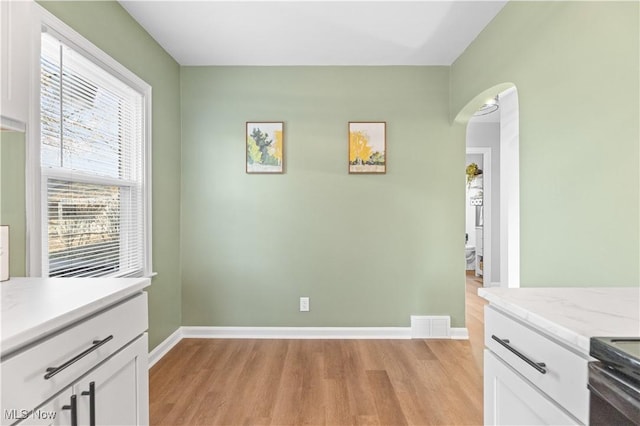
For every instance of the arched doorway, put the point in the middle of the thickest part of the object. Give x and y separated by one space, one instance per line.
509 228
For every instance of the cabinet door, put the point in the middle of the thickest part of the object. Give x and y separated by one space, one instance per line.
56 412
509 399
117 393
16 25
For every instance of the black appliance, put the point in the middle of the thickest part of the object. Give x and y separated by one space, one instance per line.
614 381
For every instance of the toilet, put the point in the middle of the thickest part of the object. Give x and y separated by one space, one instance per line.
470 255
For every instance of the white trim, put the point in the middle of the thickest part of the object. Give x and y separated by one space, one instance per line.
7 123
32 169
200 332
79 42
163 348
509 189
79 176
486 202
297 332
148 178
459 333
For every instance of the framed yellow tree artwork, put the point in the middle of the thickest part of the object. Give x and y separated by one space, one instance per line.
368 147
265 147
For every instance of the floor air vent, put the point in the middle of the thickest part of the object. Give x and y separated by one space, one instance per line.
430 327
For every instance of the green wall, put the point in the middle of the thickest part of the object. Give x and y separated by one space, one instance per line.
576 68
369 250
112 29
12 198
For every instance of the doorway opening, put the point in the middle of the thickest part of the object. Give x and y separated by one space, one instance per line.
492 203
479 202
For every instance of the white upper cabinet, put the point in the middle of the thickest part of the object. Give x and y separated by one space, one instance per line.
16 37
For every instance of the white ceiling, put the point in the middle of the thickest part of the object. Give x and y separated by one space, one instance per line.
314 32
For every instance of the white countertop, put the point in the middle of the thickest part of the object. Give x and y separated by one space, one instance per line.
35 307
572 315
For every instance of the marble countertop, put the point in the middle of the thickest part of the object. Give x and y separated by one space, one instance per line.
32 308
572 315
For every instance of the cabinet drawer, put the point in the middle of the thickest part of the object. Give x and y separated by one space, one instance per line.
565 372
24 385
514 400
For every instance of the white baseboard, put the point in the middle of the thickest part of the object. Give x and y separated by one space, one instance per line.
459 333
297 332
186 332
436 327
161 350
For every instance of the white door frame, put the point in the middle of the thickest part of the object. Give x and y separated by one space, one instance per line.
509 189
486 203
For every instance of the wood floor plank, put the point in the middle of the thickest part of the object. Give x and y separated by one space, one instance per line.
409 380
165 371
361 399
267 385
221 387
315 390
291 392
338 409
333 366
474 306
247 387
371 358
445 404
387 404
421 350
367 420
301 394
462 374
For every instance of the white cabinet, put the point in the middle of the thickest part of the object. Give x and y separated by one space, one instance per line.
529 377
116 392
56 412
112 394
511 400
91 373
16 37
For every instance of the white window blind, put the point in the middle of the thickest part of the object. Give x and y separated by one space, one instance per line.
92 154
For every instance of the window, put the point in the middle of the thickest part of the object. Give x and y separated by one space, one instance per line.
93 165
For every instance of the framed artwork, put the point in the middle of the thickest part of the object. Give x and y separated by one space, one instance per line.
265 147
367 147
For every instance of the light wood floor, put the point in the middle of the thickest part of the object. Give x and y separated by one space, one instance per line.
475 318
322 382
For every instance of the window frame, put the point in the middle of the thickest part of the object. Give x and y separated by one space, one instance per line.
37 250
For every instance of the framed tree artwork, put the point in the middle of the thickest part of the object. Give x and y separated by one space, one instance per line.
265 147
368 147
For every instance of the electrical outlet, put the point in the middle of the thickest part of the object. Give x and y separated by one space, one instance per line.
304 304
